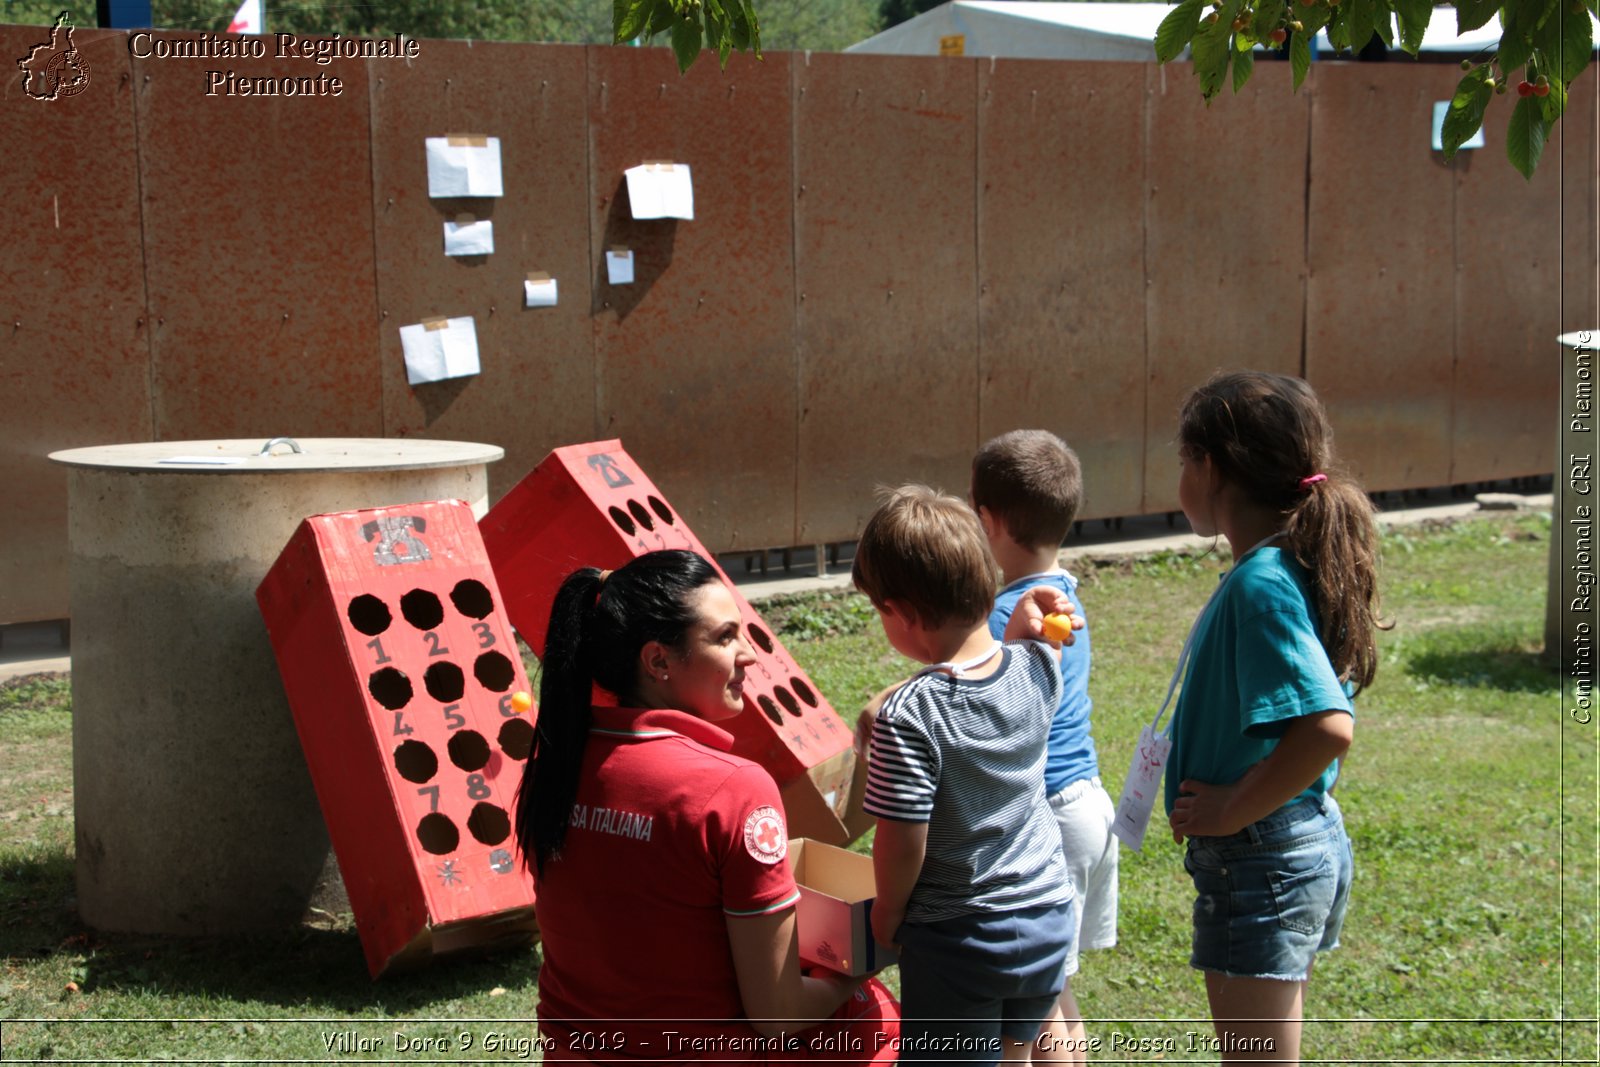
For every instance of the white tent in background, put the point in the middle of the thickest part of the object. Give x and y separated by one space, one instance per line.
1025 29
1041 29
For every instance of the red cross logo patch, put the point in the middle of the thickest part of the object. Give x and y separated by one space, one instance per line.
764 835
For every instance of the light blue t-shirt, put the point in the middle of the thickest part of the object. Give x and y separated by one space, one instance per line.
1069 754
1255 665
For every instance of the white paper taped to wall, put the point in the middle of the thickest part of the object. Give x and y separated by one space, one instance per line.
660 191
474 238
463 165
619 266
437 349
539 291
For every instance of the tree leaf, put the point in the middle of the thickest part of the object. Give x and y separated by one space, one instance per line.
1525 135
1269 15
1470 14
1300 56
629 18
1357 15
1383 24
1243 64
1177 30
1339 28
686 41
1212 46
1465 116
1577 44
662 18
1414 18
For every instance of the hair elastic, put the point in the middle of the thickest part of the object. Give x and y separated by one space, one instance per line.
606 574
1310 480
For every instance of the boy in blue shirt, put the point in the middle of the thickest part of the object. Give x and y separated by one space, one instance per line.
1026 487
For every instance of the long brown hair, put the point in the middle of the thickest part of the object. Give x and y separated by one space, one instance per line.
1268 435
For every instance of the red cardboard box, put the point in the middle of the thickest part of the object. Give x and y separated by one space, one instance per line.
400 670
591 506
834 916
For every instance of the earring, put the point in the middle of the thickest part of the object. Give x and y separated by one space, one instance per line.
663 676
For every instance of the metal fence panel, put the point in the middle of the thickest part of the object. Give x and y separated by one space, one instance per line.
74 349
258 249
1225 244
535 388
1380 298
1061 174
886 262
1508 256
696 355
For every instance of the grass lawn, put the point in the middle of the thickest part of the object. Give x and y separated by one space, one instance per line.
1470 798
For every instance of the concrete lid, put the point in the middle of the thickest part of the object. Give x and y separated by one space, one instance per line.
317 454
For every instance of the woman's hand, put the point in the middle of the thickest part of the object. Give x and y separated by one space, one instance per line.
1027 618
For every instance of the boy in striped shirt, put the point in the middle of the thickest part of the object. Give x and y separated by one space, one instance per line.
971 882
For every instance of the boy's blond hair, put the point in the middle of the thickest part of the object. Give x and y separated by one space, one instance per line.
926 550
1030 481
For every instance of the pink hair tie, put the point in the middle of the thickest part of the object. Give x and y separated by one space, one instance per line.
1310 480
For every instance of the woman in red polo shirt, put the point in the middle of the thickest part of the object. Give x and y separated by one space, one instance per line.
665 902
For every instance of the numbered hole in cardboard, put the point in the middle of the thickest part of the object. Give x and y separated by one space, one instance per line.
438 834
660 508
468 750
472 598
786 698
390 687
640 515
516 738
422 609
759 636
494 671
489 823
803 691
369 615
769 709
415 761
444 681
624 523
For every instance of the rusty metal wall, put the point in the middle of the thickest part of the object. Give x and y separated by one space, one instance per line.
1380 298
258 252
535 390
893 258
1061 269
696 359
1224 243
886 266
1508 255
74 353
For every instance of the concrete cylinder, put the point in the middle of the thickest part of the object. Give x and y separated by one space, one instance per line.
195 813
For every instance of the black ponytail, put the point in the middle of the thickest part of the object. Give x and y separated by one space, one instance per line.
598 625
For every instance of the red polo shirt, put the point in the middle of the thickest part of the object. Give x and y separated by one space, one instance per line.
670 834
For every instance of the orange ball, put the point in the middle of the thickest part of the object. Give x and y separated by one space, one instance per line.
521 702
1058 627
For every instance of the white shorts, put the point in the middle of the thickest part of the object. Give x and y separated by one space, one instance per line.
1085 813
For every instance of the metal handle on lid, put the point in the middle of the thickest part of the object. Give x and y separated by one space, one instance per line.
266 449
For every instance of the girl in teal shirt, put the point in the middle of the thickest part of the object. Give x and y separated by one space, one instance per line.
1265 715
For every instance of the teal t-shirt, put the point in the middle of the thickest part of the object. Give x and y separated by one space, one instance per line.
1255 665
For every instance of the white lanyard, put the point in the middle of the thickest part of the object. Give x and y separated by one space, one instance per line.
958 669
1150 753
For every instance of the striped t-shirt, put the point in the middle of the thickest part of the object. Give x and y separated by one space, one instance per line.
966 756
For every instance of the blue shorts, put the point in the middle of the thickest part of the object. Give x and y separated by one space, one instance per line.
968 981
1273 895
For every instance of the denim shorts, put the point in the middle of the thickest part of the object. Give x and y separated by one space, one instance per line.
1273 895
968 981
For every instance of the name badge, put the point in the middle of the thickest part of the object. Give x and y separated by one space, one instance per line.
1141 787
